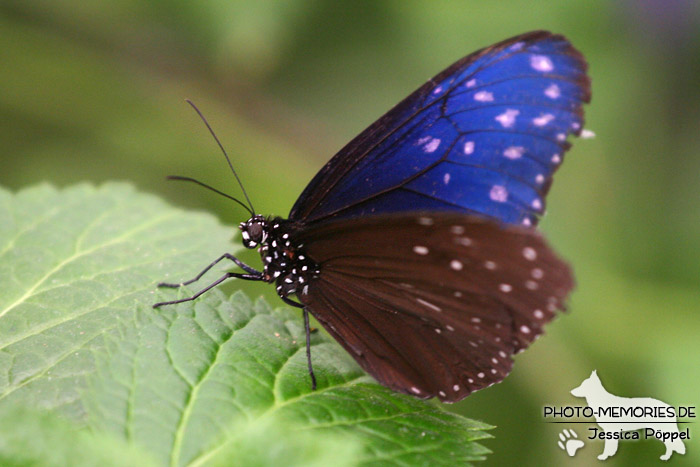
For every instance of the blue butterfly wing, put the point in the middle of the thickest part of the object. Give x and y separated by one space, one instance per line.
483 137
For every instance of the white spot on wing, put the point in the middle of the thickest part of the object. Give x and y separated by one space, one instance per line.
556 159
432 145
539 178
442 393
428 304
542 120
415 390
536 204
505 288
541 63
468 147
420 250
514 152
457 229
507 118
490 265
425 221
455 387
529 253
524 329
537 273
446 178
437 90
483 96
499 193
471 83
531 285
481 375
553 91
538 314
456 265
466 241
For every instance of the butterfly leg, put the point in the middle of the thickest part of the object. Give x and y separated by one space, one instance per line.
250 277
237 261
291 302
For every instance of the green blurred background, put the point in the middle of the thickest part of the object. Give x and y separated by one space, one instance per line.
94 91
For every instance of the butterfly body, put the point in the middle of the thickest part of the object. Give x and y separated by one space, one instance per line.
415 246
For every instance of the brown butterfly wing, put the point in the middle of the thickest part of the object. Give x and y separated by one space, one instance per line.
433 305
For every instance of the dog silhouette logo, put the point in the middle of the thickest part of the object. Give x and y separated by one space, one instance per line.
621 417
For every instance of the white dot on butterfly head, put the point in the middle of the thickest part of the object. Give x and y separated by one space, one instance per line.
542 120
538 314
456 265
471 83
556 159
553 91
505 288
432 145
483 96
455 388
481 375
425 221
539 179
490 265
514 152
524 329
446 178
529 253
536 204
537 273
420 250
541 63
468 147
499 193
507 118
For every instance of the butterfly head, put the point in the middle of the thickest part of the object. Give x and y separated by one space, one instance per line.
254 231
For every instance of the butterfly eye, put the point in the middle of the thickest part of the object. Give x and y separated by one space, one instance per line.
253 232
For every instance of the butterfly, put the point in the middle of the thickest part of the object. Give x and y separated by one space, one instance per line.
416 245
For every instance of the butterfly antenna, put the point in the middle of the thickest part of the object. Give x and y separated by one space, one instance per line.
189 179
252 209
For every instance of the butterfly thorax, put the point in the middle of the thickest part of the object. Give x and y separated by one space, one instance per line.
284 262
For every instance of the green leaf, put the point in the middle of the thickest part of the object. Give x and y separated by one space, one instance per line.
215 382
31 437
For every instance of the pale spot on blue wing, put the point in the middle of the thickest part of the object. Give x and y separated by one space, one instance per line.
507 118
514 152
541 63
553 91
542 120
499 193
483 96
